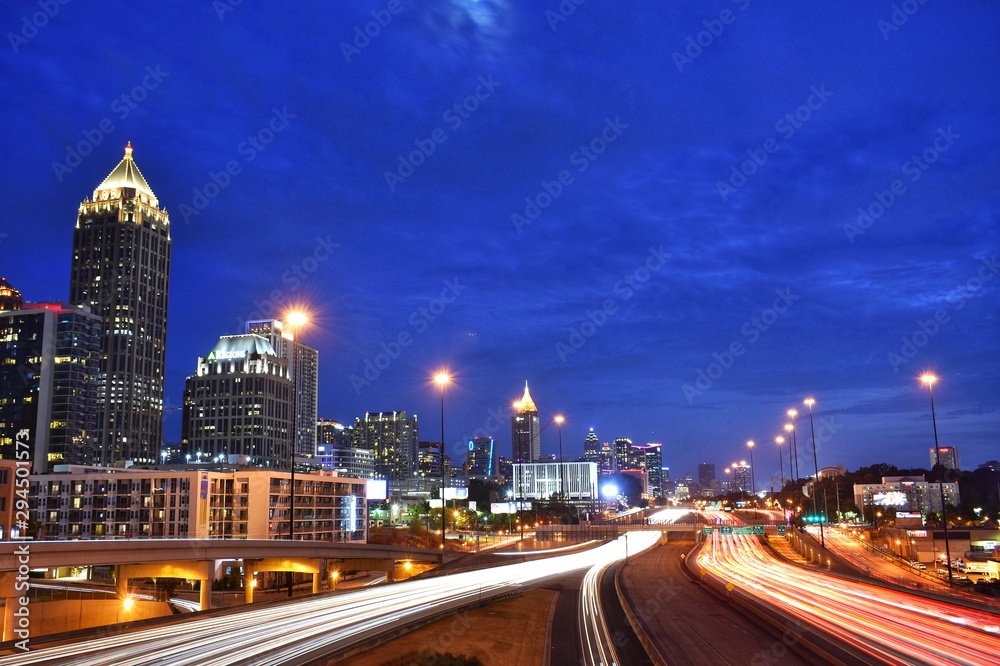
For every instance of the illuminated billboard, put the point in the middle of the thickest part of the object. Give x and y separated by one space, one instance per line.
375 489
890 498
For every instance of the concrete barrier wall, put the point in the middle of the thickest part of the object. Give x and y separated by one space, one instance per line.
51 617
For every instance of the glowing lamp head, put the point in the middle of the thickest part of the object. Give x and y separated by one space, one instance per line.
789 427
750 443
609 490
559 419
297 318
809 402
728 470
780 440
442 379
128 603
928 379
793 413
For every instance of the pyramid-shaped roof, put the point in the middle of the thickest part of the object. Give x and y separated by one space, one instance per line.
126 174
526 404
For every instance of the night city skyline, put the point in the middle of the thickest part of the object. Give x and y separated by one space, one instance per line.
673 223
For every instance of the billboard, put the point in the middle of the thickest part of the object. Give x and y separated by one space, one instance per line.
508 507
375 489
890 498
456 493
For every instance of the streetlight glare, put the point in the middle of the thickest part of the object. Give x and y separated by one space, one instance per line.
928 378
750 443
442 379
809 402
559 419
297 318
793 413
789 427
780 440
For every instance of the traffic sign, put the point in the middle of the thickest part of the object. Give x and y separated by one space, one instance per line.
758 529
706 530
726 529
782 530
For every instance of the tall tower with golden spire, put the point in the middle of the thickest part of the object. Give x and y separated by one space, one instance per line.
121 269
526 438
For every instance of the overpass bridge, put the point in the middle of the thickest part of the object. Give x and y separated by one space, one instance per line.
194 559
612 530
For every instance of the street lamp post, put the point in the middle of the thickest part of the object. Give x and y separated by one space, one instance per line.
779 440
753 482
928 380
809 402
442 379
296 320
560 419
792 413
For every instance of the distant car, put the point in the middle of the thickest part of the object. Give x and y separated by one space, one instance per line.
920 566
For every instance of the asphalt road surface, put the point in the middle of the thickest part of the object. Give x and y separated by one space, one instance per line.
689 625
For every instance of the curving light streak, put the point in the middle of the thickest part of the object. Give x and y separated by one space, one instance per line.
889 625
596 639
275 634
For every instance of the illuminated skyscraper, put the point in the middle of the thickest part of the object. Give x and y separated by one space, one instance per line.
949 457
48 381
741 477
121 271
526 438
239 403
627 457
392 437
592 448
706 474
480 460
652 461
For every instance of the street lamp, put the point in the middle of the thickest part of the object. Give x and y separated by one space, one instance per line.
560 419
442 379
753 483
928 380
296 319
790 428
729 488
809 402
779 440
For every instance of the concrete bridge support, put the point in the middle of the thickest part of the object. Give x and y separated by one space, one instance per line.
295 565
195 570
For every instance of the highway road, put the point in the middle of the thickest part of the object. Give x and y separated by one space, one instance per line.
885 625
300 631
691 626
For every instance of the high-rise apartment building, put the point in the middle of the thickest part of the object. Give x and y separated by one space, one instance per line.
392 437
949 457
526 438
239 404
48 381
121 271
303 369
